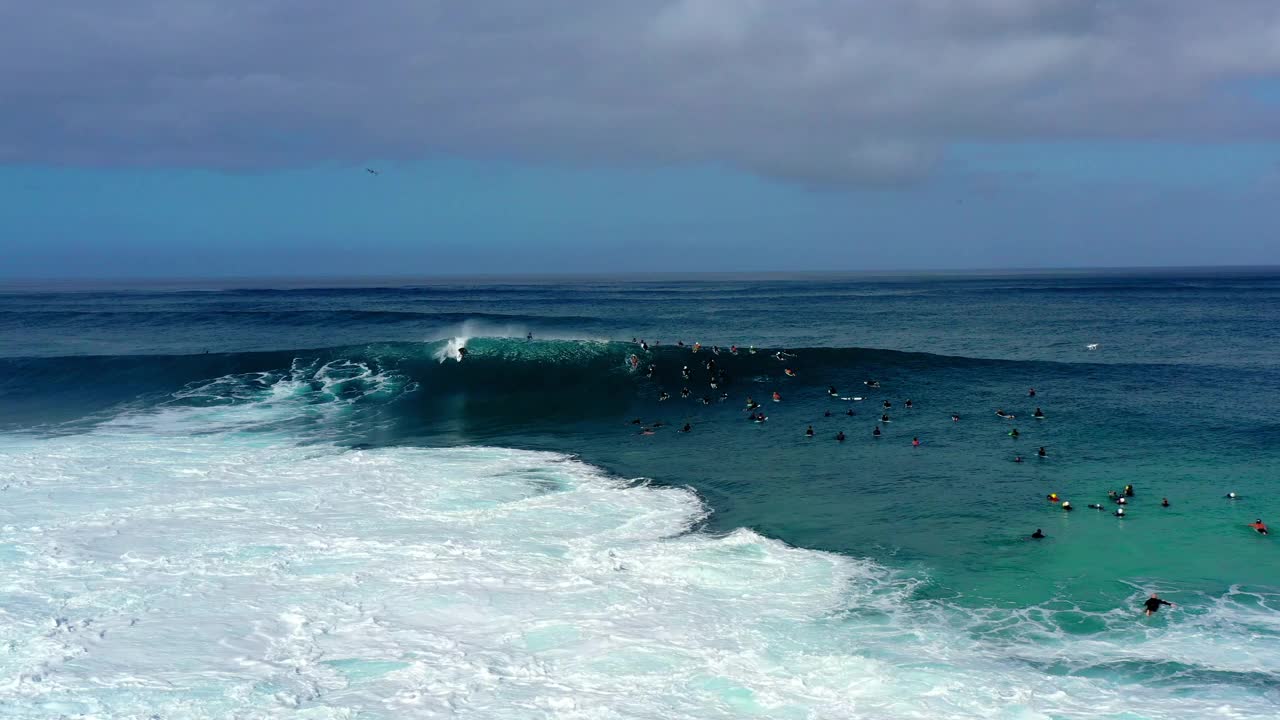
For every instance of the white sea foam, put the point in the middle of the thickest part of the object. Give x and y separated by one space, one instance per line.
147 572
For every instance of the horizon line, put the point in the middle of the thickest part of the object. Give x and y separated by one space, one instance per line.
633 275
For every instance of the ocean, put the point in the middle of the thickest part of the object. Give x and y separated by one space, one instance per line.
290 499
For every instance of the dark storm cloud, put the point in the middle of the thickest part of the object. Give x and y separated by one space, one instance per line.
817 90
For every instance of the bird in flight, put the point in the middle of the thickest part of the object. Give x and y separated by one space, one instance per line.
371 171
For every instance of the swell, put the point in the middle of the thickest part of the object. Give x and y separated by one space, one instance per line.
167 318
503 383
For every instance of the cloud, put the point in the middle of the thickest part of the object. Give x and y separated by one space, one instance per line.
856 91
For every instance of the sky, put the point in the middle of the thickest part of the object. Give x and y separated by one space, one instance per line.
193 138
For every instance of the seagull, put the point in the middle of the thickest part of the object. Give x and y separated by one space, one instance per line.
371 171
1091 346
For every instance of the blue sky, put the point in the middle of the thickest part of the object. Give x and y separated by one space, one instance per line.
192 138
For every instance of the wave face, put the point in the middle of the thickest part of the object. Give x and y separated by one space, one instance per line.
236 573
513 381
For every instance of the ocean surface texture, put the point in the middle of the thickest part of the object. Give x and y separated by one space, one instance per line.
295 502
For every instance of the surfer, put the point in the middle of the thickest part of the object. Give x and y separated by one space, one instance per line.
687 427
850 412
777 397
826 414
706 400
884 418
462 353
684 392
1128 491
1013 433
1259 526
1042 453
1052 497
789 372
871 383
886 404
831 390
955 417
915 442
664 396
1096 506
1164 502
1038 414
1037 535
809 432
1017 458
840 436
1232 496
1031 392
684 372
908 404
1119 512
1066 505
876 432
1153 604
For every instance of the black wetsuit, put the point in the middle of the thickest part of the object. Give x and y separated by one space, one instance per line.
1153 604
1037 535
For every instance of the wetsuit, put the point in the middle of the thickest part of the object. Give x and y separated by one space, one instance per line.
1153 604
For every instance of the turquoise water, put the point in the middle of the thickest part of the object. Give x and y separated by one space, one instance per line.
1179 400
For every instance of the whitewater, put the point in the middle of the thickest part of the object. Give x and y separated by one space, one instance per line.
215 560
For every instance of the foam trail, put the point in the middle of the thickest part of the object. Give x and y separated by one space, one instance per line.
151 571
